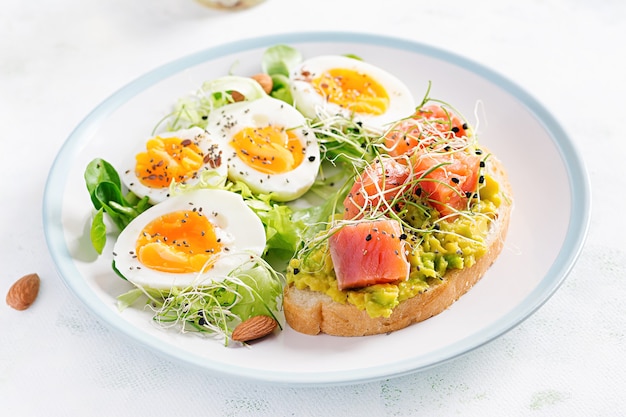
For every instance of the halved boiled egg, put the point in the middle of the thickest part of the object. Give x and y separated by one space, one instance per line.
332 85
172 156
268 145
190 238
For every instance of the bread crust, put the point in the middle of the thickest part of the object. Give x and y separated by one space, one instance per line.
312 312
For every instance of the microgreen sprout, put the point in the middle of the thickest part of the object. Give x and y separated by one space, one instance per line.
215 306
194 109
403 201
344 139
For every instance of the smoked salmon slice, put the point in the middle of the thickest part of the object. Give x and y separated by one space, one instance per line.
369 252
447 180
384 178
430 124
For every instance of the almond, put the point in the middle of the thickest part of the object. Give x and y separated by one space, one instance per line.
254 328
265 81
237 96
23 292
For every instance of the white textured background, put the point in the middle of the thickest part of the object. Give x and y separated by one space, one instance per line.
59 59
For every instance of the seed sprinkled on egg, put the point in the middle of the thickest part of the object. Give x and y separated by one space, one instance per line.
264 148
350 88
173 241
172 157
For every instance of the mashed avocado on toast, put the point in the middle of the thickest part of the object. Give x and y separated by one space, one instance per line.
441 246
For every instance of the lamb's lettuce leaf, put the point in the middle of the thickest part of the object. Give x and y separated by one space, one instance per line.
105 190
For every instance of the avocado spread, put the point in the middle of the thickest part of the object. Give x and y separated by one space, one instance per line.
434 247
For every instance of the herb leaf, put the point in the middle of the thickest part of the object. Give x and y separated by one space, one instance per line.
97 172
98 233
280 59
281 88
105 190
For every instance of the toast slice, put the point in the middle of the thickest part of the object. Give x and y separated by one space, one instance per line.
312 312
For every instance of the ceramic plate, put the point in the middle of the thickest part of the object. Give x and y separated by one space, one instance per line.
541 247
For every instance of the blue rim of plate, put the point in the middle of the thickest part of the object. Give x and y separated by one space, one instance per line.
561 267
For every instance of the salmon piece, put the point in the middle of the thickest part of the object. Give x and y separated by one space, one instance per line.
369 252
384 178
429 124
449 186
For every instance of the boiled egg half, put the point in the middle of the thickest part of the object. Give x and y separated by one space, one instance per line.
267 145
196 237
178 156
331 85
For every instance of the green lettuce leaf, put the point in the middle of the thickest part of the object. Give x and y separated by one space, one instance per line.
217 307
193 110
280 59
105 190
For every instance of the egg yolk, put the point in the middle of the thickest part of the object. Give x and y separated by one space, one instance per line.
269 149
352 90
168 159
178 242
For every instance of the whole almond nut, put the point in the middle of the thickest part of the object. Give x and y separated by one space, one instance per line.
23 292
254 328
237 96
265 81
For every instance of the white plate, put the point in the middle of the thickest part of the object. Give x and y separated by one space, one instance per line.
543 244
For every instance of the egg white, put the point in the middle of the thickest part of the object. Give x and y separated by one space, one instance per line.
227 121
157 195
315 106
240 230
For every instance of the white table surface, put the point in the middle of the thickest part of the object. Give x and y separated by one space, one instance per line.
59 59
